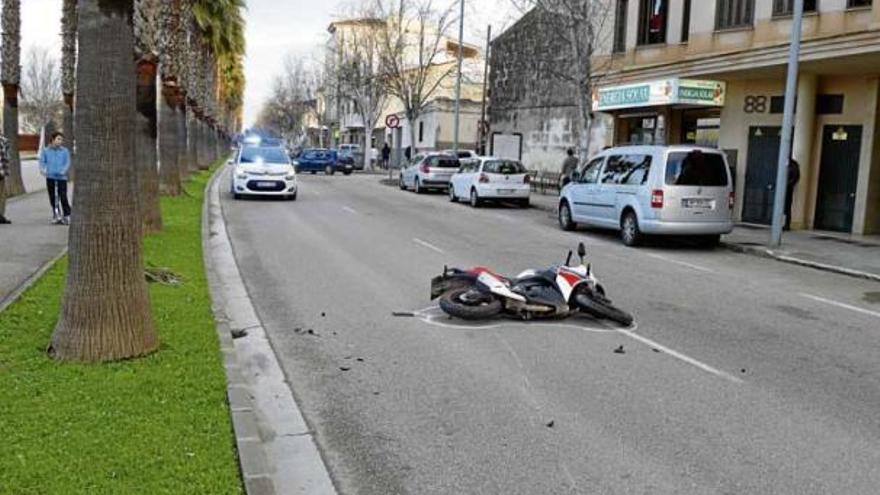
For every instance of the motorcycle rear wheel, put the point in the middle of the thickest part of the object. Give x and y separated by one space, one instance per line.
600 307
469 304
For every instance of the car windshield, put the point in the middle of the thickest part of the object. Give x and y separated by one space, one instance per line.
695 168
506 167
444 162
317 155
266 155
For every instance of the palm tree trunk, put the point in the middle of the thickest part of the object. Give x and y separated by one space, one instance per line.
183 165
169 174
204 152
145 146
192 144
14 182
68 72
105 312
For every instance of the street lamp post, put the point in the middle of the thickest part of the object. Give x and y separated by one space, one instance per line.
787 124
458 80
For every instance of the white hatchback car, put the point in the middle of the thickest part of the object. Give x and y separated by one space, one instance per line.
263 171
489 178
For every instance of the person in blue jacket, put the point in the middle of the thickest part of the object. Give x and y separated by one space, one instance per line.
55 165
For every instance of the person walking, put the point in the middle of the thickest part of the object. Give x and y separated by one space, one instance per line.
4 172
794 176
386 155
569 165
55 165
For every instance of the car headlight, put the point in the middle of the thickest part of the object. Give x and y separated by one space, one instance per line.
296 163
290 177
241 175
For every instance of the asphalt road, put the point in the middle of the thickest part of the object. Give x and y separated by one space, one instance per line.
743 376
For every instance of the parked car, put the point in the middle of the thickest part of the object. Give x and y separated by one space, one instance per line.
316 160
665 190
352 154
428 171
488 178
263 171
463 154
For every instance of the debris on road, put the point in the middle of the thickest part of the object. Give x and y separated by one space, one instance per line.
345 368
407 314
619 350
551 423
238 333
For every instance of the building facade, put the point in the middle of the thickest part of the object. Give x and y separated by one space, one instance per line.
712 72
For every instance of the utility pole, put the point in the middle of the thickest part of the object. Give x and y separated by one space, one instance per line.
458 81
481 147
787 124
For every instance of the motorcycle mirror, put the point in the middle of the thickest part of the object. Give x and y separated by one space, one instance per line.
582 250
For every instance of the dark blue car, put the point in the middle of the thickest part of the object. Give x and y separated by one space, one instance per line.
316 160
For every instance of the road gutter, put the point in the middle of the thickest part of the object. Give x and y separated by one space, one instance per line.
775 255
276 448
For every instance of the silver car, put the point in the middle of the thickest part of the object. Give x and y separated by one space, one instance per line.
664 190
429 171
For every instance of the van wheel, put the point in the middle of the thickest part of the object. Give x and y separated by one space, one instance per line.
402 184
629 230
418 187
565 221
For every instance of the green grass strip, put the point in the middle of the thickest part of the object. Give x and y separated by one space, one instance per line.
157 425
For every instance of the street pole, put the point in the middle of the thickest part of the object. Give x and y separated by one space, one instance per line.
481 147
787 124
458 81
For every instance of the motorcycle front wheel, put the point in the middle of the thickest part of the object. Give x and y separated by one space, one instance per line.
470 304
598 306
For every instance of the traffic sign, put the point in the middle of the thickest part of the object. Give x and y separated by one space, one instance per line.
392 121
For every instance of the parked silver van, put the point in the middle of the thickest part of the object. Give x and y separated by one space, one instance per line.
664 190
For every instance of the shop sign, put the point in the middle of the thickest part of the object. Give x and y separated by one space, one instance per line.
663 92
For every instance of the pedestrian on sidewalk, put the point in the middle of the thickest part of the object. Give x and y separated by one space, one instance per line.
794 176
386 155
569 165
4 172
55 165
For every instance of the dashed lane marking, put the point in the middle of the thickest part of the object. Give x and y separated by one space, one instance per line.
350 210
428 245
842 305
682 263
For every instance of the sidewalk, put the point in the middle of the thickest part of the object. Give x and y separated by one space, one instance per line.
854 255
30 242
857 256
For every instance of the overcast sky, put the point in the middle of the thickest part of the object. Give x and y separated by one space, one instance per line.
275 27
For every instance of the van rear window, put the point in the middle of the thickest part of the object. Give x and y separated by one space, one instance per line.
696 168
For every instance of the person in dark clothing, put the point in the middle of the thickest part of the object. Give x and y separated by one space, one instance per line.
408 153
568 167
386 155
794 176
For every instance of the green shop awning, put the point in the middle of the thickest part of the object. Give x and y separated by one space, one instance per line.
663 92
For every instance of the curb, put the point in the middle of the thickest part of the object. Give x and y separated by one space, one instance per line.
31 280
770 254
276 449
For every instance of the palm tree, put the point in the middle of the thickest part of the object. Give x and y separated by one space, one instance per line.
105 313
10 74
170 51
68 67
146 13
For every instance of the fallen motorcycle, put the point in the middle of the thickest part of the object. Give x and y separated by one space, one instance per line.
556 292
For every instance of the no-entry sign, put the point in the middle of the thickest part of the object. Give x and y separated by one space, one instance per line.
392 121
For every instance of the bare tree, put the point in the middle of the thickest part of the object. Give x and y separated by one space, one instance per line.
579 28
413 53
41 98
292 97
356 74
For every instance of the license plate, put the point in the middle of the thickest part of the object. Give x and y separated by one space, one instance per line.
265 184
506 191
701 203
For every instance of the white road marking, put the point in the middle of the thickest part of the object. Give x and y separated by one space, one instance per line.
682 263
428 245
842 305
350 210
570 477
687 359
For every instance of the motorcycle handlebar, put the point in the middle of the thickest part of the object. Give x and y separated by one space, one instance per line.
568 260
